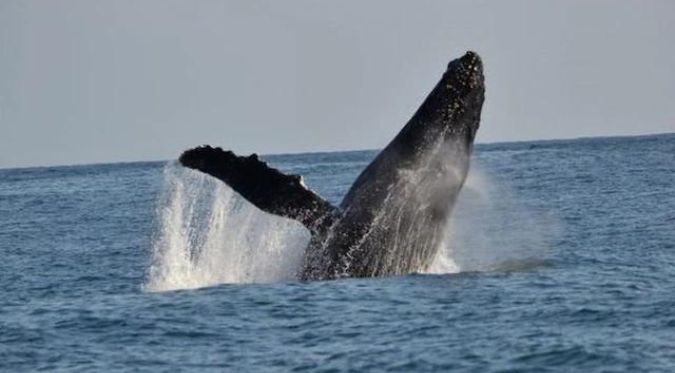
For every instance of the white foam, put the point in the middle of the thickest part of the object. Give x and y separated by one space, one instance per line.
209 235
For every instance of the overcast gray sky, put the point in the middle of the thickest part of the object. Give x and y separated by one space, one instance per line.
104 81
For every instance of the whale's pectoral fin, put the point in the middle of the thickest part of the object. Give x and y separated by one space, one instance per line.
267 188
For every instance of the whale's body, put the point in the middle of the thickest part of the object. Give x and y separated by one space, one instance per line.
393 218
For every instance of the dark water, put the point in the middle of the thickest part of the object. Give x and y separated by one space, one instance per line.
566 252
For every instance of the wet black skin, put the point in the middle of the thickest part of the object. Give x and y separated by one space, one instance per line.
393 218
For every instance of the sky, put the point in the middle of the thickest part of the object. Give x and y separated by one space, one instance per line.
87 81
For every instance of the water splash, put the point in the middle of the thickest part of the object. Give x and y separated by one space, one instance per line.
493 229
209 235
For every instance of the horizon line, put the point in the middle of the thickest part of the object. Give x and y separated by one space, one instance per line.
105 163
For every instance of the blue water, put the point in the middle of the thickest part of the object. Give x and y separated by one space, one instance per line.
561 257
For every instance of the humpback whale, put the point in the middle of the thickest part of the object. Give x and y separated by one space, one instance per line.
393 218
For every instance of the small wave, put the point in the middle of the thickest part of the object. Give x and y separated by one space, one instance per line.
517 265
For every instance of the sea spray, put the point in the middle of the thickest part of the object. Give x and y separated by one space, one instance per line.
207 235
492 228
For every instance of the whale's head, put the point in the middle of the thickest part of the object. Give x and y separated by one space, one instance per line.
451 112
460 95
464 76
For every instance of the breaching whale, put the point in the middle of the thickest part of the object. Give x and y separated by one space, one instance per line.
393 218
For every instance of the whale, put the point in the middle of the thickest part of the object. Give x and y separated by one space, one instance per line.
394 218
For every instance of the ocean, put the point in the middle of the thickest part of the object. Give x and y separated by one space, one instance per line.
560 256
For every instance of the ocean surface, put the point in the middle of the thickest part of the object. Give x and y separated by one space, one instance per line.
560 257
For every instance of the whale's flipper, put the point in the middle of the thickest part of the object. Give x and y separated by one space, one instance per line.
267 188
